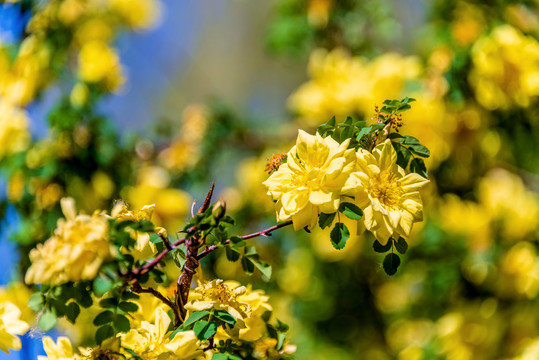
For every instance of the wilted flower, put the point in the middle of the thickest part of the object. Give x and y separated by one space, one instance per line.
311 180
388 196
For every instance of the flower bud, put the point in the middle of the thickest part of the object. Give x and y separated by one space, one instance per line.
218 210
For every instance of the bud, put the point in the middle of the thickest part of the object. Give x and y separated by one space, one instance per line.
218 210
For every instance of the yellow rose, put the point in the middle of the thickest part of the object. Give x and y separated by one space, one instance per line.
76 250
389 198
311 180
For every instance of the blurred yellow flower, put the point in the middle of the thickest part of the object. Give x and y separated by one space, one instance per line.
519 271
139 14
61 350
505 69
342 85
14 135
389 197
98 63
311 180
151 341
171 205
18 294
10 326
505 198
76 250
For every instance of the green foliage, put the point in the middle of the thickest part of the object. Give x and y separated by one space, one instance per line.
351 211
391 263
339 236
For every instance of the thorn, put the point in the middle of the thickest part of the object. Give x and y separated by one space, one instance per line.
193 208
207 201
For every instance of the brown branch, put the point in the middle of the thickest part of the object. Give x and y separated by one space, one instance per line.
265 232
139 290
192 245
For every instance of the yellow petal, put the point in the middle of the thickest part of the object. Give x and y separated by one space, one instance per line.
413 182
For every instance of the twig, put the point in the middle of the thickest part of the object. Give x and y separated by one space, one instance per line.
139 290
265 232
147 267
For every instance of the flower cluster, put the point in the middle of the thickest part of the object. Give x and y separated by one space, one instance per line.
341 84
320 173
311 180
76 250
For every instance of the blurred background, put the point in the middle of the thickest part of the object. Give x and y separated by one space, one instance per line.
151 101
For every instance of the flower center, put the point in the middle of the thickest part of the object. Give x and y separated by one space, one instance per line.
387 189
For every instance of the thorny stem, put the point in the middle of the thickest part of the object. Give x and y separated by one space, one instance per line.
192 245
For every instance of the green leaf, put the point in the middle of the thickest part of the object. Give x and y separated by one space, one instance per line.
232 254
420 150
102 285
197 315
47 321
155 238
121 323
104 318
418 166
72 312
143 226
103 333
130 296
247 265
109 303
363 132
128 306
379 248
178 255
204 329
391 263
219 356
339 235
351 211
409 140
225 317
36 301
401 245
265 270
324 220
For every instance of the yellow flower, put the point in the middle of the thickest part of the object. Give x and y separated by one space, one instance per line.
14 135
99 63
388 196
342 85
246 306
311 180
505 69
76 250
505 197
139 14
62 350
10 326
151 341
144 248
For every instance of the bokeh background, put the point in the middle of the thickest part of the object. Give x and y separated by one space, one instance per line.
207 91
